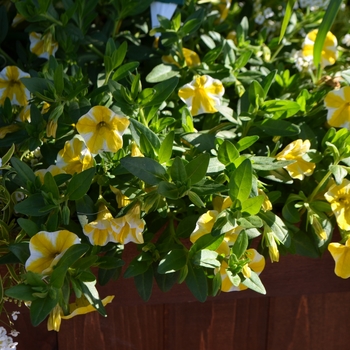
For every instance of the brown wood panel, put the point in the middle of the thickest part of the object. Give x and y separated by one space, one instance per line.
314 322
240 324
125 328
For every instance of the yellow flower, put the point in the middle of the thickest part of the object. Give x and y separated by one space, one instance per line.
191 59
329 50
267 205
270 242
338 105
24 114
103 229
202 94
295 151
8 129
80 307
135 151
17 20
223 7
53 169
121 198
256 264
206 222
339 198
47 248
130 227
12 87
102 129
74 157
43 45
341 256
51 128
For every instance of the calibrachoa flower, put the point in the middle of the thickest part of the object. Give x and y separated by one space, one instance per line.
191 59
43 45
130 227
102 129
80 307
103 229
256 264
6 342
24 114
47 248
223 7
202 94
206 221
329 50
8 129
12 87
339 198
341 256
337 103
295 151
74 157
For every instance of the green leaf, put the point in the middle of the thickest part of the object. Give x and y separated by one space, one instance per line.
30 227
166 148
37 85
3 23
281 108
58 79
269 163
274 127
327 21
80 184
138 265
267 82
241 181
208 241
196 282
253 205
162 91
178 171
123 71
50 185
227 153
255 91
24 172
146 169
254 283
165 281
162 72
33 206
286 18
72 254
20 292
91 294
196 169
246 142
40 309
119 55
170 190
173 261
338 172
243 59
144 283
20 250
8 155
240 245
137 129
206 258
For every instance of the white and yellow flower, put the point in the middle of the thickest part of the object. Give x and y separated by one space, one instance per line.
12 87
43 46
81 306
202 94
256 264
130 227
295 151
47 248
191 59
102 230
102 129
337 103
339 198
329 51
74 157
341 256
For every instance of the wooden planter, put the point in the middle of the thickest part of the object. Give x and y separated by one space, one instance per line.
306 307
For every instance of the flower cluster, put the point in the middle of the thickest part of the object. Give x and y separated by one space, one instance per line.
214 135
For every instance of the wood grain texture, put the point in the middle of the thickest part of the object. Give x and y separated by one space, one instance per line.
237 325
317 322
125 328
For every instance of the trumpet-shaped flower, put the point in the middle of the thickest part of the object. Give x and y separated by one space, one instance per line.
341 256
223 7
8 129
103 229
81 306
256 264
43 45
191 58
337 103
24 114
12 87
339 198
102 129
206 222
130 227
74 157
47 248
295 151
329 51
202 94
